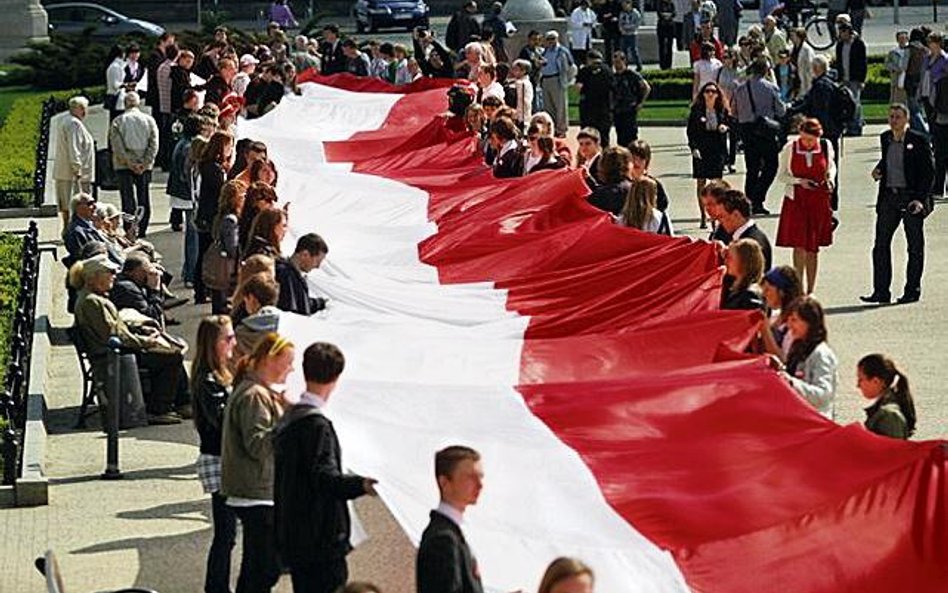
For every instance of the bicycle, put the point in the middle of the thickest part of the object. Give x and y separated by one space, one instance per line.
820 32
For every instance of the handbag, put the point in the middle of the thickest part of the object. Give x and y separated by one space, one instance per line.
763 128
217 268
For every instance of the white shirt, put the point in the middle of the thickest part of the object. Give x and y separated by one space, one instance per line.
456 516
311 399
494 89
739 231
707 71
581 22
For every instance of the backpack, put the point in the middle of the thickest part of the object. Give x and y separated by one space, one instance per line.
510 96
843 106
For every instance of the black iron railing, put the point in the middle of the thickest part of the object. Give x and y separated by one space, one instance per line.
16 383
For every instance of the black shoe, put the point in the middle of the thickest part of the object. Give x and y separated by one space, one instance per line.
176 228
171 303
879 299
759 210
201 300
909 297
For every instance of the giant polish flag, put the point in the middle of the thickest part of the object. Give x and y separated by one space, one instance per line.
588 363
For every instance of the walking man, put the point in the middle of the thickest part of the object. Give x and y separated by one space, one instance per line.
904 174
755 99
310 488
75 157
445 562
852 65
134 140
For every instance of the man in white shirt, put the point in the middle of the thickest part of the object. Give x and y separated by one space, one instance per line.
74 162
445 562
487 85
134 139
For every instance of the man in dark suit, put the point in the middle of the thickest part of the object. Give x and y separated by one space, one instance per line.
310 489
333 58
733 214
138 287
310 251
504 141
445 562
905 174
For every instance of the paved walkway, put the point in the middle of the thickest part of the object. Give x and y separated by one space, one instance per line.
152 529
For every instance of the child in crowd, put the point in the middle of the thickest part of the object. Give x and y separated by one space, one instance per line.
400 65
783 72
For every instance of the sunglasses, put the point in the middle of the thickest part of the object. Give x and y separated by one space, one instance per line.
710 92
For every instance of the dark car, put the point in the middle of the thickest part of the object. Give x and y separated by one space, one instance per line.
76 17
372 15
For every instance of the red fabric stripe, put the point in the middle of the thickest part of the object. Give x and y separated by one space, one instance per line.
705 451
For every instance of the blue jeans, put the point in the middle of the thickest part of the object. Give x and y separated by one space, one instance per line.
630 47
190 247
916 116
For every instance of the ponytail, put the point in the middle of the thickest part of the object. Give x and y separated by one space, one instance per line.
271 344
76 278
880 366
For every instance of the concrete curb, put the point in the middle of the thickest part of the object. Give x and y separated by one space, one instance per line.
32 487
44 211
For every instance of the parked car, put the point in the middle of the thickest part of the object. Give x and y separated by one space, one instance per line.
372 15
76 17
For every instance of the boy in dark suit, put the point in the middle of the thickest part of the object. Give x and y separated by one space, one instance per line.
310 490
445 562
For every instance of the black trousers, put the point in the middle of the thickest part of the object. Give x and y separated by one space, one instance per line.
601 121
940 145
165 139
133 190
164 372
205 240
680 42
888 216
259 567
217 577
761 160
319 576
666 41
627 127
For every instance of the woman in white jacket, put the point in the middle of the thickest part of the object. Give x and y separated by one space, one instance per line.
581 23
811 363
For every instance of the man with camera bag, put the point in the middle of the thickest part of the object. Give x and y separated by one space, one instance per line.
759 111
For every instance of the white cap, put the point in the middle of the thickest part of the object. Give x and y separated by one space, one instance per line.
248 59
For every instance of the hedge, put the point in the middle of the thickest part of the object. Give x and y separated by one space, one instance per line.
11 257
677 83
18 139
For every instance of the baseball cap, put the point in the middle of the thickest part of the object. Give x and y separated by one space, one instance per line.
248 59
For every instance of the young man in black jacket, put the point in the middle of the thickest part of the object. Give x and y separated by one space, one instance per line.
904 174
445 562
311 249
310 488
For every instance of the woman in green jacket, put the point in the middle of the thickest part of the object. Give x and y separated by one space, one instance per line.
893 413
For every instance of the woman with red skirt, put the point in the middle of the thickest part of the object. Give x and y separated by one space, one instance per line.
806 218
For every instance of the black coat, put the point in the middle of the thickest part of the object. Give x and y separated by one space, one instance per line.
858 65
215 90
213 177
125 294
712 144
610 197
210 399
333 59
180 82
445 562
294 292
510 164
754 232
747 299
310 490
919 168
818 103
462 26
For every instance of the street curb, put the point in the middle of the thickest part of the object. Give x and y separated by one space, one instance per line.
44 211
32 487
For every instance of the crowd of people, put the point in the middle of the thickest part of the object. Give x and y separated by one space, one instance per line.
257 451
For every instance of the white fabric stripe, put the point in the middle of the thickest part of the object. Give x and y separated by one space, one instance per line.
431 365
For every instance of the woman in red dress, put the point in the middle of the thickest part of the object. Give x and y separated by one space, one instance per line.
806 218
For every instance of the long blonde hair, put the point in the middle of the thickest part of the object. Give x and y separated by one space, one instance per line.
640 202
